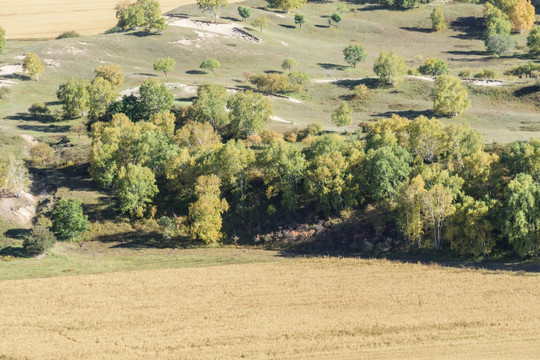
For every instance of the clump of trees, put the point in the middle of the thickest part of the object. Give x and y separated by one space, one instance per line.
142 13
533 41
434 66
390 68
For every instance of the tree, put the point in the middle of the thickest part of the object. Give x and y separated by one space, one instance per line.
410 200
299 19
272 83
198 137
2 39
354 53
533 40
41 154
521 14
342 117
212 6
496 21
336 18
135 187
248 113
16 176
287 5
260 22
210 64
112 73
154 97
68 219
32 64
39 110
288 64
145 13
437 207
385 170
450 96
438 20
434 66
38 241
499 44
75 97
390 67
205 214
101 95
427 138
244 12
522 215
210 105
166 64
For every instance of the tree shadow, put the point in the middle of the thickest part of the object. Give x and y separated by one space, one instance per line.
322 26
16 76
470 27
371 83
139 240
409 114
53 103
466 53
328 66
45 128
17 234
146 74
187 99
231 18
141 34
196 72
527 90
43 119
416 29
74 178
273 72
14 251
287 26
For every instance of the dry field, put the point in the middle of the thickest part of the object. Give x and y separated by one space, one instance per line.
294 309
48 19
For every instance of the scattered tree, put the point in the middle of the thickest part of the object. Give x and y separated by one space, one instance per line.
354 53
287 5
288 64
38 241
499 44
165 64
41 154
213 7
434 66
112 73
336 18
299 19
450 96
249 113
533 40
2 39
146 13
75 97
68 219
205 214
342 117
210 64
260 22
39 110
437 19
244 12
390 67
32 64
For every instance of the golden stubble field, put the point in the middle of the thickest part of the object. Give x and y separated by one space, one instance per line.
30 19
296 309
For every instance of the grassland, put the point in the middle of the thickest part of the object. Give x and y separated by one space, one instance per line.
300 309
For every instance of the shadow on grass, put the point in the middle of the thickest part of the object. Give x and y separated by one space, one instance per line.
329 66
371 83
322 26
409 114
470 27
467 53
527 90
416 29
231 18
287 26
146 74
17 234
14 251
74 178
187 99
196 72
45 128
138 240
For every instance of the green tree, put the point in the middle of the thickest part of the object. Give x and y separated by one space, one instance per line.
390 67
260 22
101 95
213 7
210 105
244 12
434 66
130 17
249 113
499 44
210 64
354 53
410 200
198 137
336 18
68 219
32 64
287 5
2 39
38 241
496 21
165 64
437 207
154 97
522 215
438 20
385 170
342 117
288 64
135 187
75 97
450 96
153 21
427 138
205 214
112 73
533 40
299 19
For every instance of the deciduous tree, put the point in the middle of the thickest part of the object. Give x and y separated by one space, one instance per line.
450 96
213 7
288 64
75 97
354 53
16 176
390 67
299 19
32 64
244 12
260 22
210 105
68 219
155 97
165 64
437 207
342 117
2 39
438 20
210 64
249 113
533 40
112 73
135 188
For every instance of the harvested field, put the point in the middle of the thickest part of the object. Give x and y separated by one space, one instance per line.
298 309
48 19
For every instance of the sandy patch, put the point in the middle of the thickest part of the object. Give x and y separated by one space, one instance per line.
184 42
19 57
6 83
72 50
10 69
19 210
281 120
280 16
52 63
284 43
30 140
227 30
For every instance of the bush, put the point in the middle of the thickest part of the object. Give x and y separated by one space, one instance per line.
310 131
39 110
360 91
4 92
68 34
485 74
269 136
465 73
291 135
272 83
115 29
68 219
41 154
38 241
434 66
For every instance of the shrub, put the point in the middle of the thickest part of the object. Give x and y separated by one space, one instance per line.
68 34
438 20
39 110
272 83
434 66
526 70
68 219
4 92
465 73
38 241
485 74
115 29
41 154
299 79
360 91
269 136
291 135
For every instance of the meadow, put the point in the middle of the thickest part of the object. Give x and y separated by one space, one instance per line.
318 308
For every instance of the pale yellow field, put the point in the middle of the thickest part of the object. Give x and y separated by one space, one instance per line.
297 309
26 19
